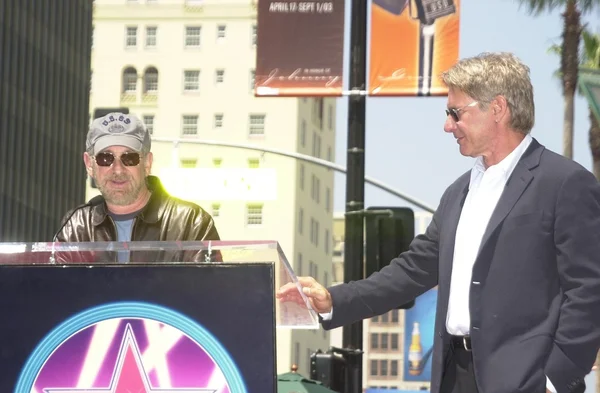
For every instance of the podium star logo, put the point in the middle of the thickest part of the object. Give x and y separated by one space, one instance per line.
129 375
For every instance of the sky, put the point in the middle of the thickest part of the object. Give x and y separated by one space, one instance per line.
406 146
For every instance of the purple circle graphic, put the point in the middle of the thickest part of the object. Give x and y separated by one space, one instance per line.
123 355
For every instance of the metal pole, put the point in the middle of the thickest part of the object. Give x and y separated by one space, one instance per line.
355 183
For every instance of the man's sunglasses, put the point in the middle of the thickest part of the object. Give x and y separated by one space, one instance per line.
106 158
453 112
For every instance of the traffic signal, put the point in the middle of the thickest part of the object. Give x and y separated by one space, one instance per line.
328 368
389 231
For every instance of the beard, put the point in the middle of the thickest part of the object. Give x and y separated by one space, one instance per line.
124 195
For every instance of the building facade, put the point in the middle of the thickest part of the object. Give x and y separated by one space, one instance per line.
44 84
186 68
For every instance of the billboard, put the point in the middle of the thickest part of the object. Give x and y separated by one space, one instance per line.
419 327
412 43
300 47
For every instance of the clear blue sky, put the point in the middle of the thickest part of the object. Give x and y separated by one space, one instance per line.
406 146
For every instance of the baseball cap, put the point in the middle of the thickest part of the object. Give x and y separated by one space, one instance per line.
117 129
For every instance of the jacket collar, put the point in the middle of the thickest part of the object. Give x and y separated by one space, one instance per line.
150 214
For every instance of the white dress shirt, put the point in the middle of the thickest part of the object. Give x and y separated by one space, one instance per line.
485 188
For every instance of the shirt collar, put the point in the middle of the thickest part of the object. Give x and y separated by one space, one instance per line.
507 165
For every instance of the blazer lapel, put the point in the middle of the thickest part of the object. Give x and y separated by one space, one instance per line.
515 186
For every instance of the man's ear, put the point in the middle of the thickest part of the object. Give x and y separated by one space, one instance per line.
89 162
148 163
499 108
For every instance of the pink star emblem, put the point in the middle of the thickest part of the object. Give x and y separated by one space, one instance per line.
129 375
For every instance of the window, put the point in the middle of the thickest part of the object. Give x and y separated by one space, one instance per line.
190 125
219 76
216 209
254 214
374 368
129 80
253 163
383 368
151 36
315 190
326 241
253 35
221 32
192 36
257 125
394 368
374 340
149 123
395 315
188 163
316 148
299 268
314 232
394 341
252 80
330 117
301 181
131 36
300 220
151 80
191 80
303 133
384 340
218 120
217 162
327 199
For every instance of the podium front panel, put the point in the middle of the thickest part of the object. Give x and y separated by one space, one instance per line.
121 328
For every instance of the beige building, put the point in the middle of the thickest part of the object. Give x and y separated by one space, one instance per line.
186 68
384 335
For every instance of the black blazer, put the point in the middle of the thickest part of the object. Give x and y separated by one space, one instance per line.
535 291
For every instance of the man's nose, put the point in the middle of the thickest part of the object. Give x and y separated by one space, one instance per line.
449 125
117 165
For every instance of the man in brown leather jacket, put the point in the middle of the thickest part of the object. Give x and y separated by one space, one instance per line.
133 205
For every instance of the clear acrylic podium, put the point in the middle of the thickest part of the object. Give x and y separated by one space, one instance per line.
116 317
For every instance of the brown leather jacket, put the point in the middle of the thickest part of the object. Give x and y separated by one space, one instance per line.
165 218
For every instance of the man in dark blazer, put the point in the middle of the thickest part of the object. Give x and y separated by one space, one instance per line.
514 248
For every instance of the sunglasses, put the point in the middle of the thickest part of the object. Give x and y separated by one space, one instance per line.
127 159
453 112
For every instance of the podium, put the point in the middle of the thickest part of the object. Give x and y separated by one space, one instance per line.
181 317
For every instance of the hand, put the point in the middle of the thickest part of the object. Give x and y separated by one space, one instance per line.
319 297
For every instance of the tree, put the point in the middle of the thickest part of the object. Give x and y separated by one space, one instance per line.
591 59
569 54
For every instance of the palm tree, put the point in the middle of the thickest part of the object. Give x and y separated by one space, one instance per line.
590 59
569 59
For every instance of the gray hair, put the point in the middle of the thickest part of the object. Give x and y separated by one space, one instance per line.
488 75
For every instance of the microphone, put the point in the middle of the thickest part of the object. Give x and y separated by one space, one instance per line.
95 201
